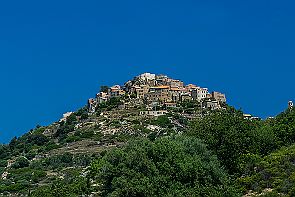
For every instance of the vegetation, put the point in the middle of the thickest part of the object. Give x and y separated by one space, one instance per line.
231 137
276 171
167 167
118 153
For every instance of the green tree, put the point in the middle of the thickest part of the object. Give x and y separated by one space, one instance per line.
163 121
21 162
230 136
38 139
166 167
284 127
275 171
104 89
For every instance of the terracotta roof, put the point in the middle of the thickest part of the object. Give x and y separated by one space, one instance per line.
160 87
175 89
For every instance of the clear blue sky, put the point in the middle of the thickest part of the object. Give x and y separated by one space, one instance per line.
54 55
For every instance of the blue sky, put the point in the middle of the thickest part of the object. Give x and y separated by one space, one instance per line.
54 55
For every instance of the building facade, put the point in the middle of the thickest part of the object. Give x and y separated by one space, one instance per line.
219 97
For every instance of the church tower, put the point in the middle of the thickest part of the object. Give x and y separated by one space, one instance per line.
290 104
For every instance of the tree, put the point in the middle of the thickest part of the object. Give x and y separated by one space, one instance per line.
284 127
163 121
4 151
104 89
21 162
38 139
166 167
71 119
230 136
275 171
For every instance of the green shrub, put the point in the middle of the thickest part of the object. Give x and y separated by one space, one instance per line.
72 138
20 162
162 121
3 163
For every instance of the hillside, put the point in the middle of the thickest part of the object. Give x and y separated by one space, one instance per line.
153 136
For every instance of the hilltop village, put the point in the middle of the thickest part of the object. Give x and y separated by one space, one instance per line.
165 118
157 93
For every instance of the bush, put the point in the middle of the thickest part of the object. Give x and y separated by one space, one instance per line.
21 162
72 138
50 146
3 163
59 161
61 188
163 121
4 151
38 139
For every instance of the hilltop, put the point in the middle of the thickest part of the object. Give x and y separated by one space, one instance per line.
149 106
157 91
152 136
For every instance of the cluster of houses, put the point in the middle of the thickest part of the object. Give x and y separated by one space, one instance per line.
160 90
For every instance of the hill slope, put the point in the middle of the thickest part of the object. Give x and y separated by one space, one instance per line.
127 145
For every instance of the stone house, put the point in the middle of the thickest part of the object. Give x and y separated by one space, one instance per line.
92 105
160 97
175 83
199 93
191 87
115 91
211 104
175 94
140 91
219 97
158 94
102 97
185 97
147 76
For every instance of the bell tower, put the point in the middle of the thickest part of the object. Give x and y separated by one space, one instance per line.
290 105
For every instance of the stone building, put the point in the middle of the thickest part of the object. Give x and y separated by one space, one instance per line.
290 104
115 91
191 87
211 104
140 91
92 103
147 76
175 83
161 80
175 93
158 94
149 88
185 97
219 97
102 97
199 93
